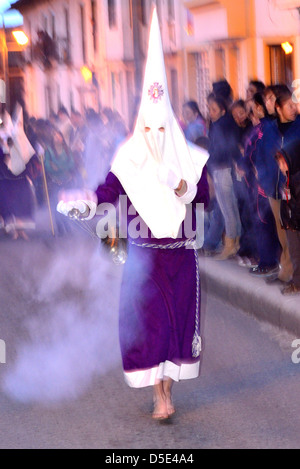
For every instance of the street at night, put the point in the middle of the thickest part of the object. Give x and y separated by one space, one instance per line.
62 385
149 227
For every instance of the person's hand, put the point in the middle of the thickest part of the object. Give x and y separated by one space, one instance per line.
181 188
73 209
168 177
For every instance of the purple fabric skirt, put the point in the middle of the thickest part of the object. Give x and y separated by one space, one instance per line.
158 308
16 198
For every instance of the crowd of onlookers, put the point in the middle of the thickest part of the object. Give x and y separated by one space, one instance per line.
253 172
254 177
71 151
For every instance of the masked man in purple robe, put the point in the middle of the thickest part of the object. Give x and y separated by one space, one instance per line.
162 177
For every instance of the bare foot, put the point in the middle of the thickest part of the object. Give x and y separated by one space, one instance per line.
160 411
167 389
170 406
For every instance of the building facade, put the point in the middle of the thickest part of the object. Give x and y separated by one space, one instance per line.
240 40
91 53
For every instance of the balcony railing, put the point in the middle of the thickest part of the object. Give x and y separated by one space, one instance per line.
49 51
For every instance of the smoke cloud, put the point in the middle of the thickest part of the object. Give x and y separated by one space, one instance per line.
71 322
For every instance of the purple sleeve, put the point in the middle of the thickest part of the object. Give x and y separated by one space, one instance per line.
202 195
109 191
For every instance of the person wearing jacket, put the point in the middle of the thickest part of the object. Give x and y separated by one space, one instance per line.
259 163
223 150
195 126
288 159
288 123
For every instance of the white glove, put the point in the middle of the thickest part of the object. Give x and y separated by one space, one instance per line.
168 177
66 207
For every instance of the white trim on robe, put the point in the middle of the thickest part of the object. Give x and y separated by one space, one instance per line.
167 369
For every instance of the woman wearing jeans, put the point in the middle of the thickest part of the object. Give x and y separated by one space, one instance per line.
223 150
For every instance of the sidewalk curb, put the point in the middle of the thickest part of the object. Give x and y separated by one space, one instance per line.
235 285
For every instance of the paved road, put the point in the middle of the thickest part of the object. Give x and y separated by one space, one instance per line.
62 385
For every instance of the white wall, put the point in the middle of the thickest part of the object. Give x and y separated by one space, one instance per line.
273 21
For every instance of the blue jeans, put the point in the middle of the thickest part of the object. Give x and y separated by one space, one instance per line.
213 227
227 202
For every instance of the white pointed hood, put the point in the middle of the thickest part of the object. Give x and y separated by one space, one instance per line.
21 151
157 140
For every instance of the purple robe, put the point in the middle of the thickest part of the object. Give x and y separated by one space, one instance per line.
16 195
159 301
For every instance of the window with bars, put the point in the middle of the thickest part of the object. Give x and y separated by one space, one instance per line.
204 82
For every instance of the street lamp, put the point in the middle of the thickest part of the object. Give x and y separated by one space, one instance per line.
86 73
287 47
20 38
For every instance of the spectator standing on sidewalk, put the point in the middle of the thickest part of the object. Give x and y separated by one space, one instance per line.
289 130
288 159
243 182
195 126
222 89
262 144
223 151
255 86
